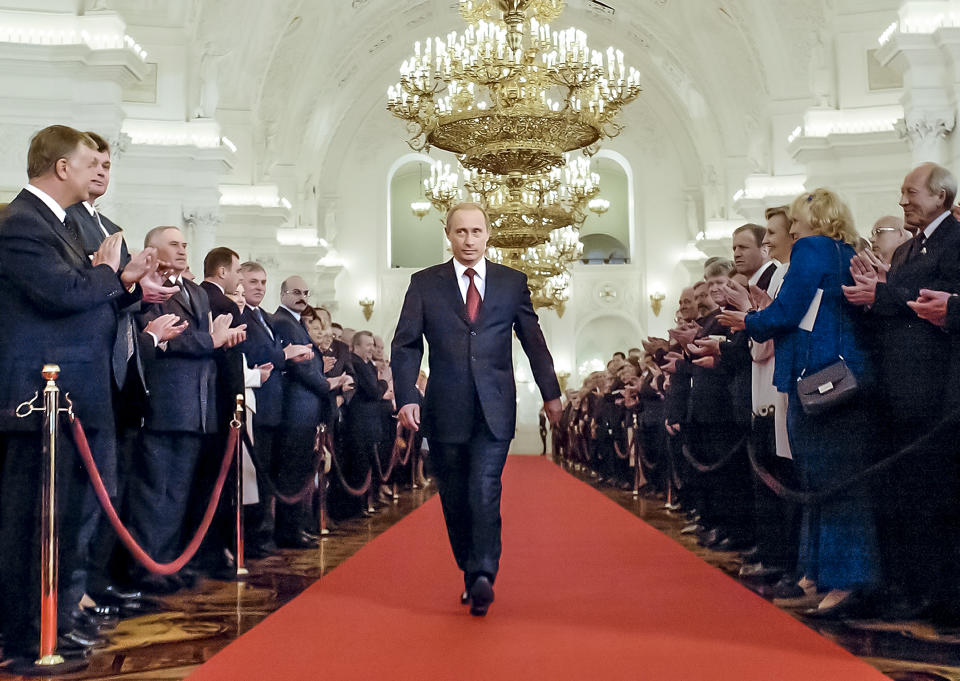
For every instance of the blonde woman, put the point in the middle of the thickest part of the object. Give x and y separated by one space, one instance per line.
812 325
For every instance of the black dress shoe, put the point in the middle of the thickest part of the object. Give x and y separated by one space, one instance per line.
263 550
481 596
730 544
300 542
112 593
758 572
102 611
83 638
159 584
787 587
465 597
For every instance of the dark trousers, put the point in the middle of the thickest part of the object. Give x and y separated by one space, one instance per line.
20 534
293 466
468 478
159 493
777 520
260 518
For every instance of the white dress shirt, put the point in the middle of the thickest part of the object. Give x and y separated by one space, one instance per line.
49 201
95 214
932 227
295 314
479 278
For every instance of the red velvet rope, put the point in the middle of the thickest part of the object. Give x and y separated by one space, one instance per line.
80 438
356 492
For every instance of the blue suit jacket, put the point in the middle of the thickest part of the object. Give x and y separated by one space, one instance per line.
468 359
814 264
260 348
306 393
55 307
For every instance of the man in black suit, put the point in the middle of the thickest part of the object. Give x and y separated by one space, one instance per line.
466 309
112 451
58 305
261 348
181 409
306 395
363 418
911 352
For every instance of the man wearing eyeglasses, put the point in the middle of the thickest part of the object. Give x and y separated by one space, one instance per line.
888 233
306 394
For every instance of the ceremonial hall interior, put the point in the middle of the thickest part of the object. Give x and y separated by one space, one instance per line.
623 151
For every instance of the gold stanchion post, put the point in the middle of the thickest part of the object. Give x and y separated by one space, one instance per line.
48 660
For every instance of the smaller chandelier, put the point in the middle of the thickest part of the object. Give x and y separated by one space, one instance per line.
420 208
598 206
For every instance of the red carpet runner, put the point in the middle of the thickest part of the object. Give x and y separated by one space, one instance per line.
586 592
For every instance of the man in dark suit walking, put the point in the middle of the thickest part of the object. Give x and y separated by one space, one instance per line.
466 310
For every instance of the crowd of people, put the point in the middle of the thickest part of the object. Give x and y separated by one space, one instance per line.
152 362
802 409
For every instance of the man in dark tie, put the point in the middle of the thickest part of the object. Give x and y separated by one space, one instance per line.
181 410
467 309
306 395
263 347
911 357
59 306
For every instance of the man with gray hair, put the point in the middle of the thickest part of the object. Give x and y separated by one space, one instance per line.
887 235
911 354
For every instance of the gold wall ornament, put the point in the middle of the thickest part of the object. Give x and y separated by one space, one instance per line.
656 302
366 304
509 94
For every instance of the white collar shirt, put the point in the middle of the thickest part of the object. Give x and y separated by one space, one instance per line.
48 201
94 213
480 278
296 315
932 227
759 273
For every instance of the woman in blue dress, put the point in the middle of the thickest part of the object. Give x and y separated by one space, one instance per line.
812 325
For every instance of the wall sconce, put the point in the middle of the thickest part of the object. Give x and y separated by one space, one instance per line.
367 305
656 302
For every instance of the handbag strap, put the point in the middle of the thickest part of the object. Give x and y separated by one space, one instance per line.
840 334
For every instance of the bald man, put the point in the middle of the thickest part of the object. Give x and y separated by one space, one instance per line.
888 233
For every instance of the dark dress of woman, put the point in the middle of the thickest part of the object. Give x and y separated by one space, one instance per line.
838 545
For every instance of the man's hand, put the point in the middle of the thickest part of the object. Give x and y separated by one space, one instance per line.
409 416
733 320
708 362
866 261
737 295
109 252
265 371
672 358
165 327
553 410
140 264
344 381
153 289
931 306
864 290
299 353
759 298
672 428
684 333
328 363
223 335
705 347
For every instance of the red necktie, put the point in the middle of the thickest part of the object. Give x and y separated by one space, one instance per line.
473 296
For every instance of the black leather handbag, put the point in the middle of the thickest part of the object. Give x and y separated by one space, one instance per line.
827 389
832 386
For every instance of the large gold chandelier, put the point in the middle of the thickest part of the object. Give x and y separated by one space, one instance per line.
509 95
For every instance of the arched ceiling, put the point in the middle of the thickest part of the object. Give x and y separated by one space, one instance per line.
311 71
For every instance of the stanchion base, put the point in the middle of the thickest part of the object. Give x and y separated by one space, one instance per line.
242 572
46 666
636 493
324 532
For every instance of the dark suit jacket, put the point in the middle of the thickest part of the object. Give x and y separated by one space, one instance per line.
306 393
182 378
364 413
90 233
55 307
230 381
910 351
468 360
260 348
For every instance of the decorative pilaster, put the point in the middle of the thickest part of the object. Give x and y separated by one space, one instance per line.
200 227
926 136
